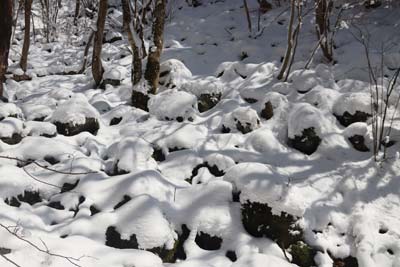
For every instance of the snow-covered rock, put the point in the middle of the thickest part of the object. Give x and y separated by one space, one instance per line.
242 119
173 105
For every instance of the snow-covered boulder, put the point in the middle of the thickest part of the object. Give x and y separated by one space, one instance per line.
242 119
11 130
352 107
74 116
265 213
306 127
112 36
114 75
208 91
141 224
39 128
357 134
272 101
173 105
304 80
173 73
36 111
9 110
133 154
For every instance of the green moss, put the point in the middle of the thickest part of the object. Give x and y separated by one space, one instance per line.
302 254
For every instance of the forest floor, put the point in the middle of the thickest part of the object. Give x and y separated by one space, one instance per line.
214 174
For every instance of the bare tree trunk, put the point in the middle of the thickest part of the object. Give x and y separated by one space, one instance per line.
136 73
77 11
152 72
322 13
97 67
25 48
289 47
246 9
6 19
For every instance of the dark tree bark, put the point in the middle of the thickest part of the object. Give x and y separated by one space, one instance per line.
136 73
77 11
97 67
25 48
152 72
322 13
6 20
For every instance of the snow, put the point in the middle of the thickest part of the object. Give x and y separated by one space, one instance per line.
172 104
347 203
75 110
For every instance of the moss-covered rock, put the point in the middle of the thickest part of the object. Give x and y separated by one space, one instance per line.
302 254
259 221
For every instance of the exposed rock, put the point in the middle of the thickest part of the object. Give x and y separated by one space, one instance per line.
115 121
208 242
230 254
302 254
267 112
91 125
346 118
307 143
208 101
358 142
30 197
125 199
140 100
259 221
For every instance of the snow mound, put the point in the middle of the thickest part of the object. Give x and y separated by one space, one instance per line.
36 111
173 73
9 110
143 217
204 85
10 126
353 102
222 162
264 141
173 104
38 128
115 73
186 136
261 260
263 184
134 154
75 111
243 119
304 116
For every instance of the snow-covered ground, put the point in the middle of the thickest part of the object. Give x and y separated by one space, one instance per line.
177 179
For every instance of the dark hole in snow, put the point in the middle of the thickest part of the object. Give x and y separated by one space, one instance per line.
93 210
208 242
383 230
50 159
174 149
212 169
164 73
115 121
230 254
158 154
390 251
66 187
236 196
56 205
225 129
39 119
12 202
125 199
220 74
388 144
250 100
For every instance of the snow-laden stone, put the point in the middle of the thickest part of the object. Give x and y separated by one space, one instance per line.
243 119
304 116
172 104
134 154
352 102
173 73
75 110
9 110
